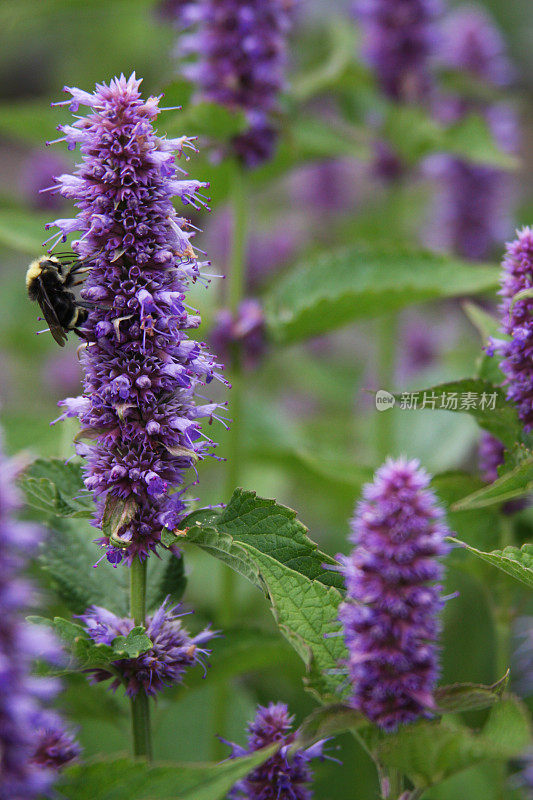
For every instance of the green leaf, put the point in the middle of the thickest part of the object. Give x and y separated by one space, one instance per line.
415 135
55 489
119 778
265 543
329 72
68 557
269 527
482 400
516 562
331 289
84 653
429 752
316 138
468 696
515 483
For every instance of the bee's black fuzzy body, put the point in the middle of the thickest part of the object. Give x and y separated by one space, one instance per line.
48 283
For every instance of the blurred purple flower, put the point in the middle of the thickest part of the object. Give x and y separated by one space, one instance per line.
62 372
522 658
22 695
400 39
38 174
473 208
141 369
491 452
391 613
242 337
174 650
56 746
267 250
325 186
285 776
239 51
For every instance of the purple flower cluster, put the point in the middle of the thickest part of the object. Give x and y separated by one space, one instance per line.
40 169
522 659
240 53
400 38
141 369
242 337
24 722
284 776
173 649
517 322
474 209
391 613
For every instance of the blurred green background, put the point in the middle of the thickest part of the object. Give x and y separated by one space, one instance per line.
308 422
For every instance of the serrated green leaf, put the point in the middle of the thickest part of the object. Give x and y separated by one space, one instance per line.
119 778
515 483
265 543
468 696
306 613
482 400
334 288
516 562
56 489
429 752
266 525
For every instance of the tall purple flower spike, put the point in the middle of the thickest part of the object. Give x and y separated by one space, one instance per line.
23 718
391 612
285 776
240 54
142 371
517 322
173 649
400 40
474 209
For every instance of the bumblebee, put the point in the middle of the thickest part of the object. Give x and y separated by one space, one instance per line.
48 282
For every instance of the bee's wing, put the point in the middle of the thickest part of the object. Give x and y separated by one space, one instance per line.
50 315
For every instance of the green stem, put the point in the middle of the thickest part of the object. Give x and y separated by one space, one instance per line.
387 329
140 704
234 452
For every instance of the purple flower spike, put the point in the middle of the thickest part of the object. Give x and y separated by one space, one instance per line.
23 775
173 650
284 776
391 614
474 208
240 53
517 321
400 38
491 452
141 369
